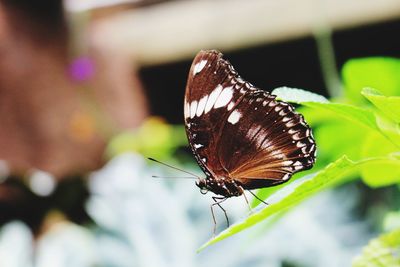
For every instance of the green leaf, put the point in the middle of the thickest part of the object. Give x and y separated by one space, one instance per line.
389 128
350 139
382 174
296 95
361 116
389 105
382 73
383 251
316 117
334 174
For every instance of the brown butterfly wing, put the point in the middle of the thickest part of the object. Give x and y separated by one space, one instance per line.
266 142
239 132
212 86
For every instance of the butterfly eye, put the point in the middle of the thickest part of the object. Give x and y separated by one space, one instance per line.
202 184
203 191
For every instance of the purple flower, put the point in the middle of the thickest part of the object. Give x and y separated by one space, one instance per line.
81 69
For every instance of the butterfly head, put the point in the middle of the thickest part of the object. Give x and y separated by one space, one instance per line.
202 184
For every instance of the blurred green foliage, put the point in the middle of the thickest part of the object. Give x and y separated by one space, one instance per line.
154 138
383 251
381 73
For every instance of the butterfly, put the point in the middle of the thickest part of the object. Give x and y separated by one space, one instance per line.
242 137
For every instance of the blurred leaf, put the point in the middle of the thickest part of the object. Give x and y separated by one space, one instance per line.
332 145
389 105
389 128
383 251
361 116
382 174
379 72
315 117
154 138
296 95
334 174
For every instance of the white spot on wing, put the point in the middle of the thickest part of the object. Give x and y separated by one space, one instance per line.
297 136
187 110
193 108
197 146
290 124
300 144
230 106
286 176
199 66
224 97
287 162
212 98
201 106
297 167
282 112
234 117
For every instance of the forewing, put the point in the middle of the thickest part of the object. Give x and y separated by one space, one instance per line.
213 90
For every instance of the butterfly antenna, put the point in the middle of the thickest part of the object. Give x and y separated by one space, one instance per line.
174 177
175 168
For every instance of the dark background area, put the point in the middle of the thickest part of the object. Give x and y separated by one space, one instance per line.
294 63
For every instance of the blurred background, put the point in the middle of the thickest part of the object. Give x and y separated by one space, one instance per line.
89 89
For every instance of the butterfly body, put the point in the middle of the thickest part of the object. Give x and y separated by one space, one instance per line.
224 186
241 136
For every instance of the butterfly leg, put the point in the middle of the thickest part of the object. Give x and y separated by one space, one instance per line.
218 201
248 203
259 199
